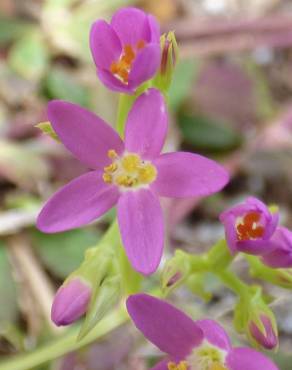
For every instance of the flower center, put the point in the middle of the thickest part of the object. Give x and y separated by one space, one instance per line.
123 66
180 366
249 227
205 357
129 171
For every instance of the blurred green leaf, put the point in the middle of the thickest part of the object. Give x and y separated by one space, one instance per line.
11 29
61 85
29 56
62 253
182 81
9 308
21 165
206 134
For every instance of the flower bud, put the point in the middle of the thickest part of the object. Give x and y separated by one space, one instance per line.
175 271
263 332
169 57
70 302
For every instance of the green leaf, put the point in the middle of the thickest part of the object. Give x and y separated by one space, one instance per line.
29 56
61 85
63 253
207 134
9 308
182 81
12 29
47 129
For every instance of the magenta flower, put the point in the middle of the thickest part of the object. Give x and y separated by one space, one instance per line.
265 336
249 227
126 51
131 174
281 257
70 302
190 345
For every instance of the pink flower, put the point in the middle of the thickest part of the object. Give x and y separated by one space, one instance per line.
130 174
70 302
249 227
190 345
126 51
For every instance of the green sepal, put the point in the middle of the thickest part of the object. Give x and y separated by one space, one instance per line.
47 129
169 58
103 299
280 277
175 271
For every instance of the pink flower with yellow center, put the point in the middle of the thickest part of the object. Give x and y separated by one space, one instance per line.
126 51
132 175
188 344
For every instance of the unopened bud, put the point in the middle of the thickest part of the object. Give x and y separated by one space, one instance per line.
263 332
175 271
71 301
169 57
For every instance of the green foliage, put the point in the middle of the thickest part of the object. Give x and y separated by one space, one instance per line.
182 81
60 85
9 308
62 253
29 56
11 29
207 134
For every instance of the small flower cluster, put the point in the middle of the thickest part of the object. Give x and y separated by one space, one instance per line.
128 170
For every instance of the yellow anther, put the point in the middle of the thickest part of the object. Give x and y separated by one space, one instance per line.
111 168
147 174
129 170
107 178
180 366
131 162
217 366
112 154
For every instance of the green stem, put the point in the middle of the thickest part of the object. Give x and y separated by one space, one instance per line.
66 343
233 282
125 103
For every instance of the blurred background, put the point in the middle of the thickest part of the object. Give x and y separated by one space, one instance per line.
231 99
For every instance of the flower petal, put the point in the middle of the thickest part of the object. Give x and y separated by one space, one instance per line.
87 136
77 203
131 25
248 359
256 247
154 28
146 125
168 328
184 174
104 44
162 365
141 225
145 65
214 333
113 83
281 257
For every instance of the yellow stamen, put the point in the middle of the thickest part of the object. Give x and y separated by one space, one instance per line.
218 366
147 173
131 162
180 366
129 171
107 178
112 154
